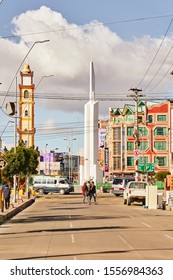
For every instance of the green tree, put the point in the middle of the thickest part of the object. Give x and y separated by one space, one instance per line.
23 162
161 175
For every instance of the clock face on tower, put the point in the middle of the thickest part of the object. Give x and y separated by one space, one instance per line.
26 80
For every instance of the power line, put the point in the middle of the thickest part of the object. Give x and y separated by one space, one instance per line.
156 53
88 26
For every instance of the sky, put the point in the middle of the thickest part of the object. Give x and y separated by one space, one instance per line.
130 43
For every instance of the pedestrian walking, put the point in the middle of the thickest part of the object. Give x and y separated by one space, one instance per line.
93 192
89 192
84 192
6 194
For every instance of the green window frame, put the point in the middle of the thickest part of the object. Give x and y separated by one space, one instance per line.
161 118
130 161
130 146
130 131
129 118
160 131
143 159
142 131
160 145
150 118
143 145
160 161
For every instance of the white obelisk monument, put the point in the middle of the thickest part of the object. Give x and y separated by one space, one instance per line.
91 110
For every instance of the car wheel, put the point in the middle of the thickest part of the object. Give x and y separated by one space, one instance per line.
40 191
128 201
125 201
61 191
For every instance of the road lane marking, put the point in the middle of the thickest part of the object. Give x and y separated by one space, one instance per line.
168 236
131 217
72 238
71 225
147 225
125 241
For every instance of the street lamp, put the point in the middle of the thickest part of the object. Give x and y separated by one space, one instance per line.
69 155
42 79
3 132
37 42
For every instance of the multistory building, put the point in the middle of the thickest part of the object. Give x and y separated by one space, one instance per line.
155 127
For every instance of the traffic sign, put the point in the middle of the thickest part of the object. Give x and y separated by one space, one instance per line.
136 153
146 167
2 163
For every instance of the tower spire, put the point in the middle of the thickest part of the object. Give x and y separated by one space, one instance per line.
92 82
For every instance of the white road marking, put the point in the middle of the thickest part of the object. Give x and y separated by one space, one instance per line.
72 238
168 236
71 225
126 242
146 225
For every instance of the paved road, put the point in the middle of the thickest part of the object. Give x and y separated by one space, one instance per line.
62 228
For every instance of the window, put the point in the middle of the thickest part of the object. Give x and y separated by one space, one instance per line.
26 94
129 119
143 131
117 133
161 118
116 148
143 145
116 163
143 159
117 120
150 118
51 181
160 146
130 161
130 146
160 131
26 113
160 161
130 131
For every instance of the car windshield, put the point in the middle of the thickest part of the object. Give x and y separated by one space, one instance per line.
137 185
117 181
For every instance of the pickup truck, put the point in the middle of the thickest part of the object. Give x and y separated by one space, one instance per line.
135 192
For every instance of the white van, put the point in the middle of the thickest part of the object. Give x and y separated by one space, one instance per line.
51 184
119 184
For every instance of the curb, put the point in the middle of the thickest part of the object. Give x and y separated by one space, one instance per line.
16 210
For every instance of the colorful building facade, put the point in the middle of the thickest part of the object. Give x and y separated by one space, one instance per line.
155 127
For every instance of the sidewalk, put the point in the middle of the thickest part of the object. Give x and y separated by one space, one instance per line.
20 204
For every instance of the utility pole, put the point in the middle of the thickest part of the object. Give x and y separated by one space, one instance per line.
136 94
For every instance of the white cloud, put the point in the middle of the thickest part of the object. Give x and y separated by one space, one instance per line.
119 64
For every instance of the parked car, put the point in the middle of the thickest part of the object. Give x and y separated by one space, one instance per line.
49 184
135 192
119 185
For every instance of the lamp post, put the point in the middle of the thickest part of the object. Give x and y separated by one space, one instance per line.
36 42
3 132
49 76
69 155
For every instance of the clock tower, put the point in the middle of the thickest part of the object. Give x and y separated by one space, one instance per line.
26 128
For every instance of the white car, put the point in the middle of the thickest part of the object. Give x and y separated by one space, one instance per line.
135 192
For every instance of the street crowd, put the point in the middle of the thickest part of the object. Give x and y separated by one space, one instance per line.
89 192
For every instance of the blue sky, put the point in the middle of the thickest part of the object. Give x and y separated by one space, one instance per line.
122 38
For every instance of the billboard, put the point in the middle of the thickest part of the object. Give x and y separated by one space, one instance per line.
101 138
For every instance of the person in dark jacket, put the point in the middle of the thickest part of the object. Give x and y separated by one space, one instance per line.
6 194
93 192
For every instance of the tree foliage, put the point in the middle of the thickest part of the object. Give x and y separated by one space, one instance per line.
161 175
23 162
